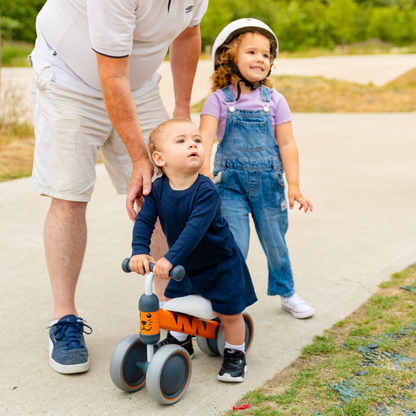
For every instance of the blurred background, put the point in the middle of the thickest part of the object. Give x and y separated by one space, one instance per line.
305 29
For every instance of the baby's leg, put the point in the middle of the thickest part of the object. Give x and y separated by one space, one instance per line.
234 328
234 367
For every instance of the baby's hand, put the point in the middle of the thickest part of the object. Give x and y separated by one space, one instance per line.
294 194
162 268
140 263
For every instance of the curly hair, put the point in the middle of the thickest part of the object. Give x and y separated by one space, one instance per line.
156 138
223 76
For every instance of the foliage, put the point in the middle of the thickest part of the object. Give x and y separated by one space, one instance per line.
298 24
24 12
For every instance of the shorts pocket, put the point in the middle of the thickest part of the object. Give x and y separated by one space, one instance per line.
44 78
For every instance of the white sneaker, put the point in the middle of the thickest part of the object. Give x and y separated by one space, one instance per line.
297 307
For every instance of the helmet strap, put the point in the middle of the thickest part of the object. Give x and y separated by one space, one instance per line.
235 70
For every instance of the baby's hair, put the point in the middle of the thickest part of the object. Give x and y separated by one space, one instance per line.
156 135
223 76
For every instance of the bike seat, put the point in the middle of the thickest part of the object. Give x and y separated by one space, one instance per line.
194 305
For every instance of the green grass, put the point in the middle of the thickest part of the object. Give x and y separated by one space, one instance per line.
15 53
302 388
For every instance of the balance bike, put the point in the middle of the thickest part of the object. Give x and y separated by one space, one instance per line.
167 373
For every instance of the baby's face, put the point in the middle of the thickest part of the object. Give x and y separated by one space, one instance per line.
253 57
182 150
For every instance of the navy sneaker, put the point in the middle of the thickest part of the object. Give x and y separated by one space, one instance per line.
234 367
67 351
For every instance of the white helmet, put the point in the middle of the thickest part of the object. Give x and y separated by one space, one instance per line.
237 28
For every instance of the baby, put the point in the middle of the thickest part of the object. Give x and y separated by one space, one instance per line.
189 208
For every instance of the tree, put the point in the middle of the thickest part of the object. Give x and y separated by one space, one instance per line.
342 15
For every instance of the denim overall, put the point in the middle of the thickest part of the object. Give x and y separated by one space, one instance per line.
248 172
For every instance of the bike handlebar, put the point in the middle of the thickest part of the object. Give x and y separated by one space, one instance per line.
177 273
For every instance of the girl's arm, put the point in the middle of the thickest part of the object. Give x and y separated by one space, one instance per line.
290 159
208 128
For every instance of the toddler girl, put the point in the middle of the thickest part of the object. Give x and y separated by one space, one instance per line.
252 122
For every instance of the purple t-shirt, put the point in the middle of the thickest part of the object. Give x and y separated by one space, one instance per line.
216 106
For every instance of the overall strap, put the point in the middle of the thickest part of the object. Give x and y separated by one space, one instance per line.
229 97
265 94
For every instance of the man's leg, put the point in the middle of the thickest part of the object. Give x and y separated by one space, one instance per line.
65 237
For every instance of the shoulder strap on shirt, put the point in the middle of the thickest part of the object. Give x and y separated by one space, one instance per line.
229 97
265 94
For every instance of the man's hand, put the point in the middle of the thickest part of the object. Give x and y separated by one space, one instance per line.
140 185
294 194
121 109
140 263
162 268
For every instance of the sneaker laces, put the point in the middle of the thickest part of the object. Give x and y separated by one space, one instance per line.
68 331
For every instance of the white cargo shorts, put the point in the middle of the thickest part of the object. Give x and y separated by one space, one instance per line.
71 129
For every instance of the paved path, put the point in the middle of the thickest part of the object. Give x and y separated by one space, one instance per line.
359 171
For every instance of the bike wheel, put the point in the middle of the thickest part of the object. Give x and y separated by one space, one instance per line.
169 374
126 369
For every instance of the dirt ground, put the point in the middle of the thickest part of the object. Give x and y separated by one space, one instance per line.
303 95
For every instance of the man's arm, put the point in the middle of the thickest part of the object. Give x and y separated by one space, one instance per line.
121 109
184 54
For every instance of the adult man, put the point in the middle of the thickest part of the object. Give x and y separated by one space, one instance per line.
95 86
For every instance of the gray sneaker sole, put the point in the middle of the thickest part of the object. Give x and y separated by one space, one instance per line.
228 379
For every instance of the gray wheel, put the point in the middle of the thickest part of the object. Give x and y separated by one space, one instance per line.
208 346
248 337
169 374
125 364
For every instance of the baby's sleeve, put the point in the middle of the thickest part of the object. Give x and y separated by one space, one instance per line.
282 111
144 225
212 106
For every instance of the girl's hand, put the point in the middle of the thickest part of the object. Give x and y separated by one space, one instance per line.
294 194
140 263
162 268
206 172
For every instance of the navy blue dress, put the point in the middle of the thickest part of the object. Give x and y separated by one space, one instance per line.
200 240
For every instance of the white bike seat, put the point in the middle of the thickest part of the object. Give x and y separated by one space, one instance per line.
194 305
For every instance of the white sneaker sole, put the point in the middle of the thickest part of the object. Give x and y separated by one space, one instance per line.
66 369
228 379
300 315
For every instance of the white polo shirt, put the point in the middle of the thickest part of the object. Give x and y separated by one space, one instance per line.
69 32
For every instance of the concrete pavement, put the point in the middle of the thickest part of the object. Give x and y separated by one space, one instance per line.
360 173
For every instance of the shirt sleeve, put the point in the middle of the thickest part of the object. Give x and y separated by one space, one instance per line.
144 226
111 24
203 213
282 110
212 106
199 13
